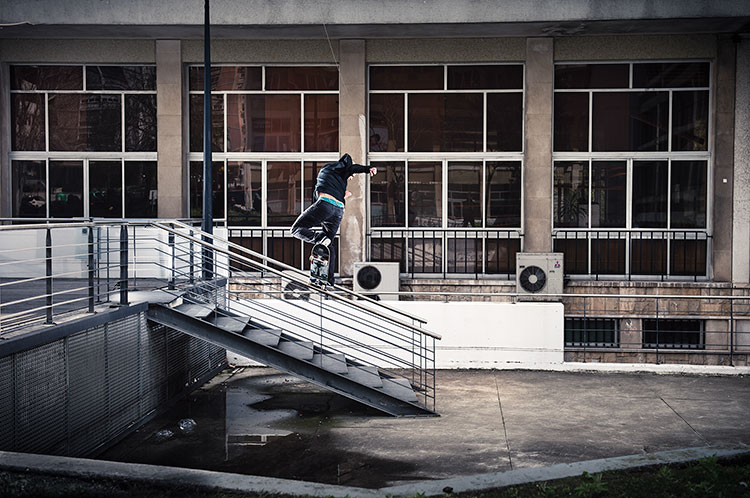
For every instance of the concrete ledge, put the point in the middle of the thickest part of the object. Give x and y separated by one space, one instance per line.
80 467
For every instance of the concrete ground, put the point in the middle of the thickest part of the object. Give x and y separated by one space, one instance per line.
262 422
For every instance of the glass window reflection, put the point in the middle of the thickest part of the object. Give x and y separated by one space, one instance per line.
388 195
244 202
66 189
571 194
141 194
608 181
29 189
425 194
465 194
284 192
105 189
503 197
650 194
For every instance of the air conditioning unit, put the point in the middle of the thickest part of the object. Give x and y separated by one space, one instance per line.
539 273
371 279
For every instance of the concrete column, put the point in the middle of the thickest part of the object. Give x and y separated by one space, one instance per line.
5 131
741 211
353 135
171 184
723 177
537 184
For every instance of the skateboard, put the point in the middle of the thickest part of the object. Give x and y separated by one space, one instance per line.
319 259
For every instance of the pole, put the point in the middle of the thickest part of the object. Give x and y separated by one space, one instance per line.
207 224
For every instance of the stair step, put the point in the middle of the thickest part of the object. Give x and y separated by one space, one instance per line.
302 350
333 362
399 388
196 310
367 376
266 337
234 324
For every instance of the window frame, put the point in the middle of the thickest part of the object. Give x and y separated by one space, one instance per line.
668 233
85 157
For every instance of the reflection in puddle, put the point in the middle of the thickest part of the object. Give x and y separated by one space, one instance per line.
246 426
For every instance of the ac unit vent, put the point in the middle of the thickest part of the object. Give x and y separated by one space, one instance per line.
372 278
539 273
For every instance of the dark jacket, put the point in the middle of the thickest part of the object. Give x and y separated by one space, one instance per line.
333 177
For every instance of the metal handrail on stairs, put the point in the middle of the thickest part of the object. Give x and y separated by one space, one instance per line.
337 321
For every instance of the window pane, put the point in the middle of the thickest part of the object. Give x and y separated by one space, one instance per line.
217 123
196 189
140 123
65 189
688 199
503 198
634 121
571 122
690 120
244 193
141 189
46 77
406 78
494 77
464 253
321 123
27 118
425 194
389 249
671 74
687 257
120 77
445 123
569 76
284 193
465 194
608 193
649 194
263 123
302 78
79 122
648 254
105 189
571 194
673 333
607 253
388 195
386 122
575 251
501 255
311 175
228 78
505 122
29 189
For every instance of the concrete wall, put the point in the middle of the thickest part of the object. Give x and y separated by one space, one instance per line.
741 201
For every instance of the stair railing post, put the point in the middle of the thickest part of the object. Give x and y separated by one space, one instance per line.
123 265
91 267
48 273
171 246
192 259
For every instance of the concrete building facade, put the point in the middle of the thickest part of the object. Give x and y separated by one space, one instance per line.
615 133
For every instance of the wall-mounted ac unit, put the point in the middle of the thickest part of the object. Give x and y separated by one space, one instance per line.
373 278
539 273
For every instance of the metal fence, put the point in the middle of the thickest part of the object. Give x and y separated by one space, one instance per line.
436 252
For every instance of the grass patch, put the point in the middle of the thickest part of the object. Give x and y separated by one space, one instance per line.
708 477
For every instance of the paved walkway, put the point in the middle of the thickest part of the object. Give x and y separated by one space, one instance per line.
491 421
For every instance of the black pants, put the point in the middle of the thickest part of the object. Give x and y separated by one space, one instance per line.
328 217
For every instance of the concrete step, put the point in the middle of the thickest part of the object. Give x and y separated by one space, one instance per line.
196 310
267 337
399 388
234 324
302 350
333 362
367 376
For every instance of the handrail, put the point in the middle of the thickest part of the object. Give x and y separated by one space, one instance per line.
300 280
516 294
303 274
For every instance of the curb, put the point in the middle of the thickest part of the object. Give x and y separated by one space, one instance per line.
220 481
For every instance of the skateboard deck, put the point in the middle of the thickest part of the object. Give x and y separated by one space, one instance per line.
319 258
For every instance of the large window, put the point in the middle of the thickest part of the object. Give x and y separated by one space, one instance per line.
448 143
83 141
631 168
273 128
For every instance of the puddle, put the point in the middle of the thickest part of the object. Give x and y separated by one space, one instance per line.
262 424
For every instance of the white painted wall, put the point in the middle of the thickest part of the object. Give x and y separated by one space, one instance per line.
474 335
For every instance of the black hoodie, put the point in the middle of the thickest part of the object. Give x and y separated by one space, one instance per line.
333 177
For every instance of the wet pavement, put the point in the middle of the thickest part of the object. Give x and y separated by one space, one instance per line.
261 422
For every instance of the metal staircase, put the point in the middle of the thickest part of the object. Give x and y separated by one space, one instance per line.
347 343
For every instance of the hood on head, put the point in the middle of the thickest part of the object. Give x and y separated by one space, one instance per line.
346 159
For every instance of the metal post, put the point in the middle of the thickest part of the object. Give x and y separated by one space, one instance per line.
91 268
48 272
123 265
171 245
207 225
731 332
192 259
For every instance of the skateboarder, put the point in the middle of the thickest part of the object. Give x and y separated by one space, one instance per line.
328 208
